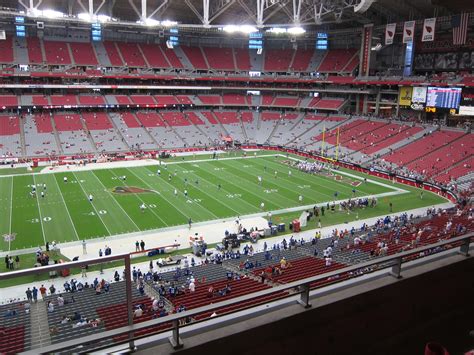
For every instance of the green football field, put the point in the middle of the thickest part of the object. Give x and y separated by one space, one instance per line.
66 214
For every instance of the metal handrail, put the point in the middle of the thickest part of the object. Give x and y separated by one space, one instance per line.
301 287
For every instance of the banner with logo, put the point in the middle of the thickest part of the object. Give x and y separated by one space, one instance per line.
404 96
390 33
428 29
419 94
408 31
466 110
366 49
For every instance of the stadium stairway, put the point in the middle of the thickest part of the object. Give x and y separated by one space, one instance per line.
40 336
316 61
317 64
22 137
256 61
307 133
171 128
119 133
182 58
195 125
20 52
101 54
223 129
56 135
274 130
244 132
88 134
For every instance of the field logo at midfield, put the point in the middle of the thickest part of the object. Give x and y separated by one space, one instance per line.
130 190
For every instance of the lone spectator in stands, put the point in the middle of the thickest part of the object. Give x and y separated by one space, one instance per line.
67 286
77 316
50 307
42 291
137 313
35 294
192 286
210 292
29 295
52 289
60 300
116 276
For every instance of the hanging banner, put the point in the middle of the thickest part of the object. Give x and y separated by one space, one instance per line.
390 33
419 94
366 48
428 29
404 96
408 31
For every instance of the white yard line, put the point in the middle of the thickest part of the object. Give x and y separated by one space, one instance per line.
92 203
39 210
118 204
67 209
11 215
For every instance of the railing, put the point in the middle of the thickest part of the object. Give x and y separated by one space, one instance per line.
301 287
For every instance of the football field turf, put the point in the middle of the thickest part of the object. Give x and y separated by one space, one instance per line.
66 214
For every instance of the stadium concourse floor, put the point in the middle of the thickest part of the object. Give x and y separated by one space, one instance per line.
211 231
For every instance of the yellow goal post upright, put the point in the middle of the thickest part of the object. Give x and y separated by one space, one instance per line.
322 143
337 144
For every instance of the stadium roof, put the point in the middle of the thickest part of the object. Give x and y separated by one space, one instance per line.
330 14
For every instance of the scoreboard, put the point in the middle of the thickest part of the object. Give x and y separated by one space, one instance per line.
443 97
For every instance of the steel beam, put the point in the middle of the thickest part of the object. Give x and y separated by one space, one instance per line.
162 7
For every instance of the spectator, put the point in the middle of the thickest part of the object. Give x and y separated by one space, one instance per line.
142 245
192 286
137 313
60 300
50 307
52 289
137 246
42 291
29 295
35 294
17 262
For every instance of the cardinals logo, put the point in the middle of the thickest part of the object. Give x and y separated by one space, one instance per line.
390 33
129 190
429 29
408 32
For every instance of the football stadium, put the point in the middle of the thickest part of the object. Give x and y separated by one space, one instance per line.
237 176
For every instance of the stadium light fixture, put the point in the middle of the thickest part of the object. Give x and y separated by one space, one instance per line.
151 22
296 30
168 23
243 28
248 29
277 30
52 14
230 28
84 16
